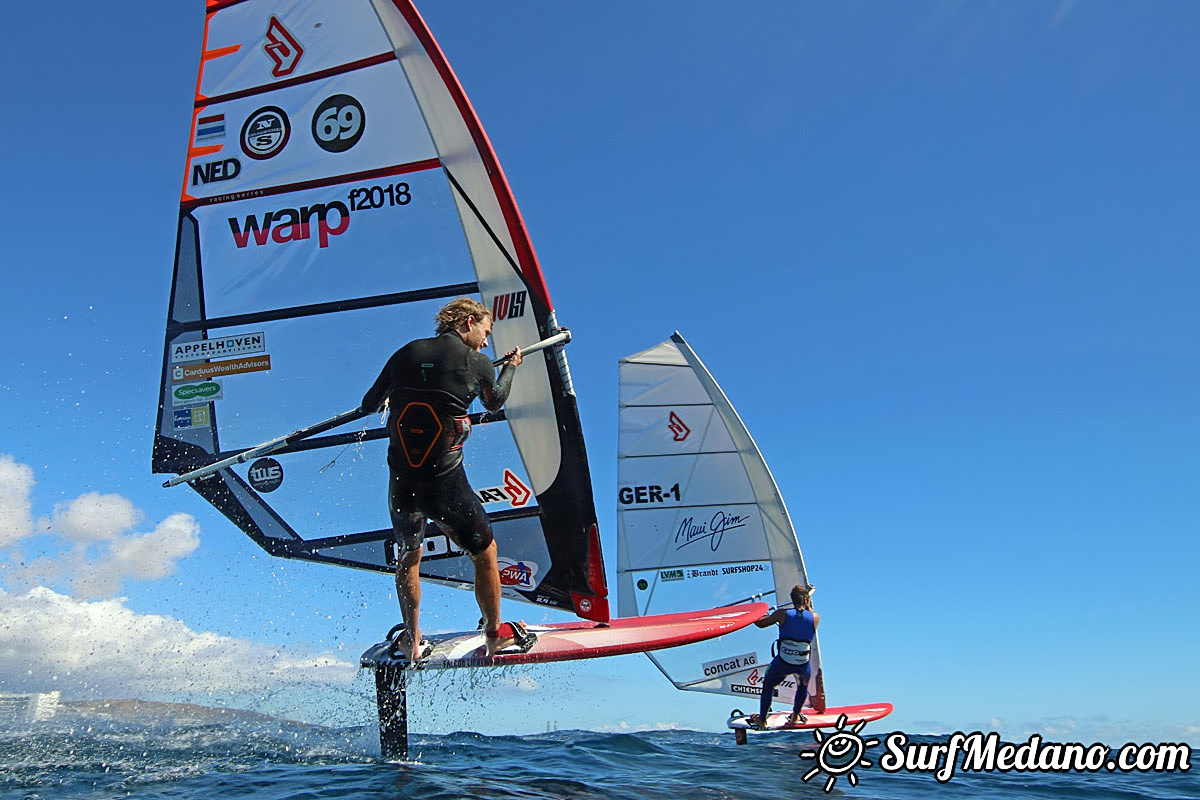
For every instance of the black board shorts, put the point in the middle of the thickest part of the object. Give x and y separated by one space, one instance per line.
448 500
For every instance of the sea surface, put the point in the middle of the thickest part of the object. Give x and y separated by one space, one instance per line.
265 759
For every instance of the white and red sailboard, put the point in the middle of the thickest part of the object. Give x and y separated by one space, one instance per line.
570 641
830 717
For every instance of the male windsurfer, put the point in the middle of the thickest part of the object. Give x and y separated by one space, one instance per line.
428 385
797 629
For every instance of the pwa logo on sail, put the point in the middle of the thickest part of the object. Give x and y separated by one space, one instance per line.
292 225
517 573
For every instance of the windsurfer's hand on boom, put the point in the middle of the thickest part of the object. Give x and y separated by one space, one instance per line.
513 357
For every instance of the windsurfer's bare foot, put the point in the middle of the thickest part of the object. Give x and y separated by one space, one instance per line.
499 639
507 635
410 645
796 718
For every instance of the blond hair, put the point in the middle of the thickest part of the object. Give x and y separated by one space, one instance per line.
455 313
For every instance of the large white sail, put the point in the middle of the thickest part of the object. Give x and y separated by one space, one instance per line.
701 520
338 189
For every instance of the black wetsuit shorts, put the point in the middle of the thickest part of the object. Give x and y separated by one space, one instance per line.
447 500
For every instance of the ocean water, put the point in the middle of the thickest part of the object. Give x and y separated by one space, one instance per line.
271 760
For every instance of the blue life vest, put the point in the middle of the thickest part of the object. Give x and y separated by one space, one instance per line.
795 637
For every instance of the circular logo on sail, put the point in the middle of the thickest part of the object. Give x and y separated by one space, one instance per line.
265 133
338 123
266 474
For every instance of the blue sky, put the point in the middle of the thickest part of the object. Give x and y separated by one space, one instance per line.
942 257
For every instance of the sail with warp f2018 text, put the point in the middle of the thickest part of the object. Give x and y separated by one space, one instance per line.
338 189
702 522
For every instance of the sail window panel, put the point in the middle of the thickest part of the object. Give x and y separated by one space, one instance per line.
317 363
185 293
729 534
719 666
658 430
662 354
521 553
260 254
362 553
265 521
324 34
651 384
530 412
360 115
456 571
494 467
321 497
731 664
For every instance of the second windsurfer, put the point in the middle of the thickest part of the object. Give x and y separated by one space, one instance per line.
797 629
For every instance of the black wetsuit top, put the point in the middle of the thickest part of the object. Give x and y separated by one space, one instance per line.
431 383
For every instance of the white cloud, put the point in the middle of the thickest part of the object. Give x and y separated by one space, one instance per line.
520 683
103 649
98 550
16 517
624 727
94 517
149 556
91 647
